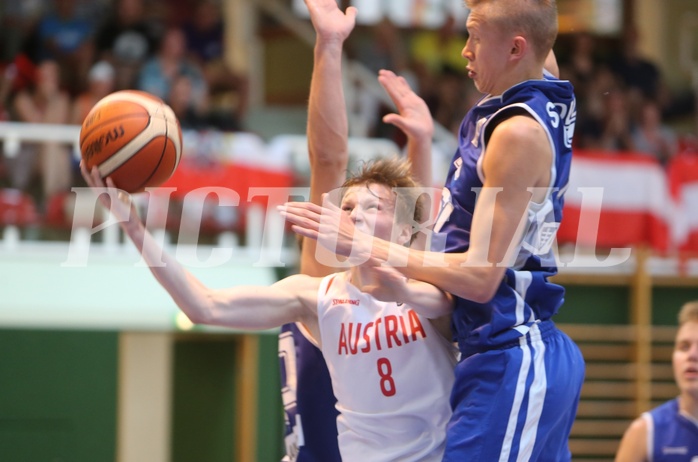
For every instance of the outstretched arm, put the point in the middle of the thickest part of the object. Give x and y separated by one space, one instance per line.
517 162
243 307
388 284
327 115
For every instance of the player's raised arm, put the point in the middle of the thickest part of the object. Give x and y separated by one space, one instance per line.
414 119
327 128
243 307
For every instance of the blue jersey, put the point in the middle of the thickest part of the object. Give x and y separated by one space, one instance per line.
524 296
309 403
672 436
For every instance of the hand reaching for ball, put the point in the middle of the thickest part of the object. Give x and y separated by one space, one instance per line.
117 201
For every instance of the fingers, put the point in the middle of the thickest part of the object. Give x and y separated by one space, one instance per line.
397 120
304 232
299 215
92 177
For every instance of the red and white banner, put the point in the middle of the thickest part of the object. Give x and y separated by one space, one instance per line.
683 181
617 200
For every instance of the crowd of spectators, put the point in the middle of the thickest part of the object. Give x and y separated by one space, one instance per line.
61 56
623 101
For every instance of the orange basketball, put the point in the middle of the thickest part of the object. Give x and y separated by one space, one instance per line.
132 137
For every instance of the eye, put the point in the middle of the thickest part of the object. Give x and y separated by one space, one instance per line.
683 346
347 208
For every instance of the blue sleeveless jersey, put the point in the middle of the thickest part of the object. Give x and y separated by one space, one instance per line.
672 437
309 402
524 296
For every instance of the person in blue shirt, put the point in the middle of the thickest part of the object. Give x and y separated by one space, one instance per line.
669 432
519 378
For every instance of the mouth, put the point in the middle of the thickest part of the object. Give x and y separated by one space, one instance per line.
691 373
471 73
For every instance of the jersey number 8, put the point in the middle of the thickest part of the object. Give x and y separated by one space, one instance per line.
385 371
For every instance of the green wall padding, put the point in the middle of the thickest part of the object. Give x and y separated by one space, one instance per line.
270 423
595 305
58 393
667 301
203 411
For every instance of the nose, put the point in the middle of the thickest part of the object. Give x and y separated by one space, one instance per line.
355 215
466 52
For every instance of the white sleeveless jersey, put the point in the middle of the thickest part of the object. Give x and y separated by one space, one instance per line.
392 374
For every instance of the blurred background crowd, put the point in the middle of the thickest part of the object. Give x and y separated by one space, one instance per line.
61 56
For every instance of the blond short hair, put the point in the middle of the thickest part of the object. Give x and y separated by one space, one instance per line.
536 20
688 313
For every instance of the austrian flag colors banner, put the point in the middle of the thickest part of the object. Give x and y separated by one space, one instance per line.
618 200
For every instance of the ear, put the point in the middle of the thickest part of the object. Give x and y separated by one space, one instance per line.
519 47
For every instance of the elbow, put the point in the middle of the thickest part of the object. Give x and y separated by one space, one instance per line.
201 312
483 295
486 287
195 316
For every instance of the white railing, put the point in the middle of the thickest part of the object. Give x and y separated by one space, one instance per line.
14 133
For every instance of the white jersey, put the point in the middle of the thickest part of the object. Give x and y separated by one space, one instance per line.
392 374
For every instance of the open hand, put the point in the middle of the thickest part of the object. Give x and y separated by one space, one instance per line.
329 21
413 117
330 227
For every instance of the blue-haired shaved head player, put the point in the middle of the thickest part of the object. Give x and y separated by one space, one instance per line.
519 378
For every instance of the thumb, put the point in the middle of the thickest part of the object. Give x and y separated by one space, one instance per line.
395 119
351 13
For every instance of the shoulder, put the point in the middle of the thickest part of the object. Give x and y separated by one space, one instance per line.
633 446
518 127
665 412
518 133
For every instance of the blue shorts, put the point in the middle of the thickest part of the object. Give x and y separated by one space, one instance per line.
517 403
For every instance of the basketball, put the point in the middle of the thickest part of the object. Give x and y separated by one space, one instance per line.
132 137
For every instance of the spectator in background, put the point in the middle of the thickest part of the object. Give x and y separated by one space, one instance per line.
228 89
582 65
100 82
669 432
67 38
180 100
16 20
43 102
127 39
616 124
653 137
591 112
452 97
606 123
433 50
171 61
380 46
638 73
